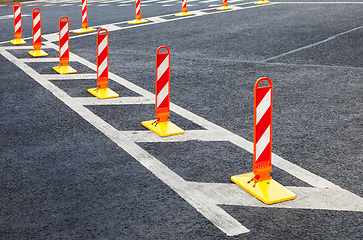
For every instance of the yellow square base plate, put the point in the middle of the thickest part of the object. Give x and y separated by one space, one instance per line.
64 69
138 21
268 191
224 8
262 2
183 14
17 41
84 30
163 129
38 53
102 93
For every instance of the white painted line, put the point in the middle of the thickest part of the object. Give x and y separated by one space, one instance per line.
157 19
70 76
281 163
201 135
19 47
197 194
314 44
198 12
285 165
112 27
115 101
53 37
167 1
40 59
306 197
12 16
109 27
235 7
200 202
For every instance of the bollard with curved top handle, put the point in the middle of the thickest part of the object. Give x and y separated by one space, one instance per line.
162 126
37 34
259 183
64 68
102 91
17 25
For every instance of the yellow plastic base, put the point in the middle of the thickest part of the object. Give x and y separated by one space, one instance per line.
84 30
268 191
183 14
102 93
17 41
262 2
38 53
224 8
64 69
138 21
163 129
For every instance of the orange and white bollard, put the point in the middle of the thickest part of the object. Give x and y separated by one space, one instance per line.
17 25
85 28
225 6
102 91
262 2
162 126
37 34
138 14
64 68
259 183
184 10
262 144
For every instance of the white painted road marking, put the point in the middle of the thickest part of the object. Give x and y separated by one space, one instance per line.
205 197
53 37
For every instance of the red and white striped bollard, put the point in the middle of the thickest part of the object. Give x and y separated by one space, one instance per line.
262 143
102 91
85 27
37 34
17 25
64 68
259 183
225 6
162 126
138 14
184 10
162 100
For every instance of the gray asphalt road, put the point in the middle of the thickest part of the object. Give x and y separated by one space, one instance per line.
64 178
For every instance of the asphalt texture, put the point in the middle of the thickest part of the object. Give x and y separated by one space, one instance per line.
61 178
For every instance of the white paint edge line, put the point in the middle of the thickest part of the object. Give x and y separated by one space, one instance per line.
53 37
19 47
70 76
201 203
114 101
39 60
112 26
281 163
114 77
189 135
306 197
12 16
157 19
301 173
313 45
